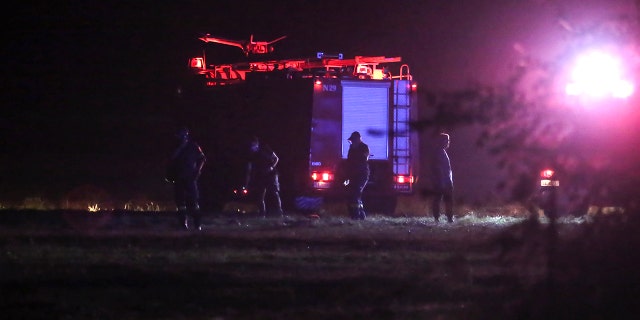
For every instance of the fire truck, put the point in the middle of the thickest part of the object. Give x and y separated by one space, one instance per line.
305 109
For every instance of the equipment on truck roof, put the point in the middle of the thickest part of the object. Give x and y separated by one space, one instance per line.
248 47
359 67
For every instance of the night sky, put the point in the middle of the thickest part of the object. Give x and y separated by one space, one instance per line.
87 85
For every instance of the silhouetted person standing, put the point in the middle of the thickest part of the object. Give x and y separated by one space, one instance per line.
442 178
262 177
357 171
185 166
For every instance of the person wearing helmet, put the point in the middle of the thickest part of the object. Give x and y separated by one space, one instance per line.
357 167
262 177
184 169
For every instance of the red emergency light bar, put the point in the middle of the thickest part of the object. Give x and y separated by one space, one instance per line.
547 173
403 179
196 63
241 191
322 176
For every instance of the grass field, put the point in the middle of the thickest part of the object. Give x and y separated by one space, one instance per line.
139 265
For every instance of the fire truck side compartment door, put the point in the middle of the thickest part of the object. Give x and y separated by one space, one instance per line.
365 108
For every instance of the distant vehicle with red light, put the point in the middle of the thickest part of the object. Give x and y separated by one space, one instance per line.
594 168
548 197
566 194
305 109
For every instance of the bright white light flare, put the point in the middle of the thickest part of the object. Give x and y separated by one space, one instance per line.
598 75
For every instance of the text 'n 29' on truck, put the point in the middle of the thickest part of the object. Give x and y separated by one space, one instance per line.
305 109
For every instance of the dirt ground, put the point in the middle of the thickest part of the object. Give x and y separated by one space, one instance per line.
140 265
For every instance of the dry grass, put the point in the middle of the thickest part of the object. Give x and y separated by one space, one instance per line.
136 265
